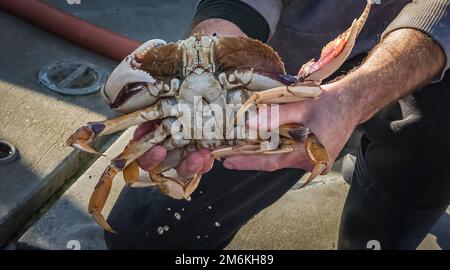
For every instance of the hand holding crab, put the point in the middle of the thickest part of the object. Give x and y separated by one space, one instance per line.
328 120
169 82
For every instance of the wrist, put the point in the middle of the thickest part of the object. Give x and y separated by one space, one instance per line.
342 104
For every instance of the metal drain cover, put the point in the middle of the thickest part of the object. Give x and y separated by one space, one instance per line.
72 77
8 152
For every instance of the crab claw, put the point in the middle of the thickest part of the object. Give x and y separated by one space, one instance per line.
173 186
121 76
81 137
117 88
335 52
318 155
176 188
167 179
135 177
140 52
99 197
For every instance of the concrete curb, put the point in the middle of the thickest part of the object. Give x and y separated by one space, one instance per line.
68 222
61 175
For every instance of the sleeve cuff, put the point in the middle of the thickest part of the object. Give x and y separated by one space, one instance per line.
248 19
269 9
429 16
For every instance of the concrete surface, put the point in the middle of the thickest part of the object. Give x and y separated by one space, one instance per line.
138 19
38 121
68 218
301 219
308 219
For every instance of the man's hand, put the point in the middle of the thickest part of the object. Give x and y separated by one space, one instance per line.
404 61
331 124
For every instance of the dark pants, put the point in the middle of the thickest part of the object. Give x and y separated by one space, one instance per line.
401 182
398 209
400 188
398 217
224 201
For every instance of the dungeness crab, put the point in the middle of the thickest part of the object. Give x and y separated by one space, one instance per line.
170 82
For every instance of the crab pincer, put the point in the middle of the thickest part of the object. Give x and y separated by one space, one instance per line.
81 137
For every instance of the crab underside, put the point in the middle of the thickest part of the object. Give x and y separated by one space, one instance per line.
199 82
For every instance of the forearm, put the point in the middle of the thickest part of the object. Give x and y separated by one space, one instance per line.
403 62
217 26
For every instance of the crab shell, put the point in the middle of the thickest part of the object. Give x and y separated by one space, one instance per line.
155 68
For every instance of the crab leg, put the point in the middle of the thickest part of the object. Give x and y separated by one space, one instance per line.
312 73
291 134
314 149
135 177
286 146
163 175
336 52
176 188
80 139
224 152
132 151
282 94
99 197
172 185
318 155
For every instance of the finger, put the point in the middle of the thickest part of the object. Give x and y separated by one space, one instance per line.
191 165
152 157
277 116
208 160
143 129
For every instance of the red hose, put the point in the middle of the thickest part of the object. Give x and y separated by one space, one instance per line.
71 27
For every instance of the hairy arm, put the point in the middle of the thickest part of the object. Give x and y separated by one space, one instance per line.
403 62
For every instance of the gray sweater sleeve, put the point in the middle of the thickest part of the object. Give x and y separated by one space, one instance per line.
430 16
269 9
